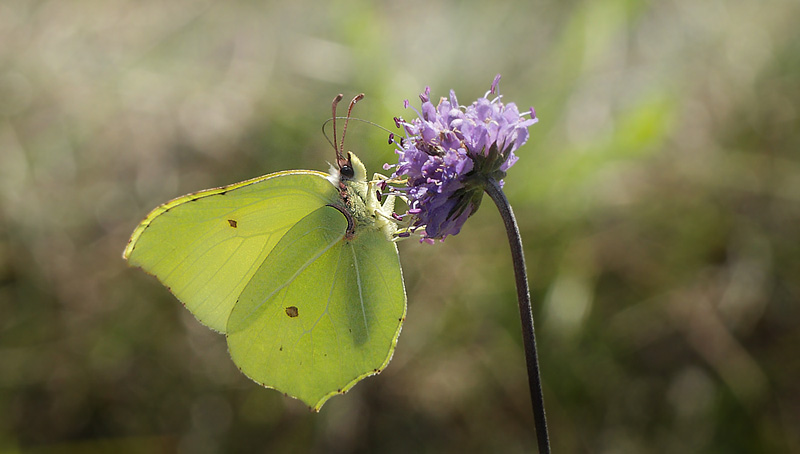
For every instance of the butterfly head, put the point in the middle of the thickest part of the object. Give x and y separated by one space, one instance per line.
353 171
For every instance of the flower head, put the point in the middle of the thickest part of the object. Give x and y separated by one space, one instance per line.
448 153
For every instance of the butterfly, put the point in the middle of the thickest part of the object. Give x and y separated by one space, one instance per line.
297 268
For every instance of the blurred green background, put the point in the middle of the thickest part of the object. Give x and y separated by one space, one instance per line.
658 197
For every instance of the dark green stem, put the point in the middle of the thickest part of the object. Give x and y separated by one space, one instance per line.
524 298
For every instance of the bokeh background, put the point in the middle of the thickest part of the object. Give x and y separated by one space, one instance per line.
658 197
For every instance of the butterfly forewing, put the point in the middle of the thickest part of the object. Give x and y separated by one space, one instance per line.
206 246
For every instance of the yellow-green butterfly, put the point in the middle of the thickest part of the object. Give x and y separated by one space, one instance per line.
297 268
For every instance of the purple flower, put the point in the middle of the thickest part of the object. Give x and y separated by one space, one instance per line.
448 153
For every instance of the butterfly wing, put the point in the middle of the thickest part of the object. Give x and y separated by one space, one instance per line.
206 246
323 312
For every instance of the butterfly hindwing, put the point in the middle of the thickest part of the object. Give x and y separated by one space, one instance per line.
323 312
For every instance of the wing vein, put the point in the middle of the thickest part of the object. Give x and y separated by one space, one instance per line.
360 291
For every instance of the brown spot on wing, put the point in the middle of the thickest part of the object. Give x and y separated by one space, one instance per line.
232 223
292 311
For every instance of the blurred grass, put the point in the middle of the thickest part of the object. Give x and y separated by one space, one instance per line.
659 198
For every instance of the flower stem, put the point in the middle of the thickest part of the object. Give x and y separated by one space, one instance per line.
524 298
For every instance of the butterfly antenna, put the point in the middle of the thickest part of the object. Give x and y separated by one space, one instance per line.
356 99
339 157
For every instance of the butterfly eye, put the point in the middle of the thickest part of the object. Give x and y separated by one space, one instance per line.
347 172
